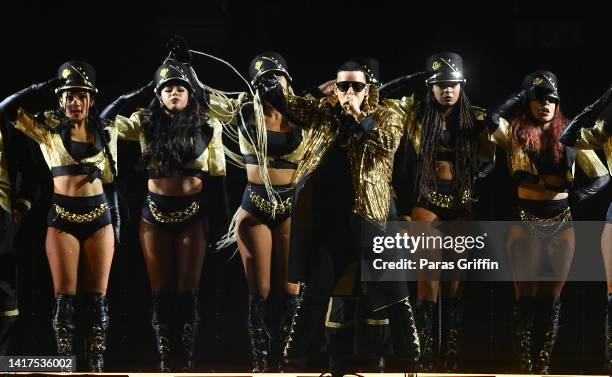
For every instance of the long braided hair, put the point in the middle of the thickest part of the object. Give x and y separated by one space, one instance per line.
460 122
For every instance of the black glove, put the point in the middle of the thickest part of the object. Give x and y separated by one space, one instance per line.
394 85
584 193
179 49
9 105
271 91
504 109
111 111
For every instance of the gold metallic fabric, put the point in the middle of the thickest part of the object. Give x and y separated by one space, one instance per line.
519 160
596 138
52 146
370 159
211 160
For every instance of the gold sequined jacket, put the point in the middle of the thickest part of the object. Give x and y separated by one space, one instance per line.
370 158
211 160
55 151
520 162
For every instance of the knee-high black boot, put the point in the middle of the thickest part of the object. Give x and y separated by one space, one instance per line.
63 324
406 342
189 320
524 332
289 317
455 325
424 322
98 328
548 311
163 320
609 333
259 334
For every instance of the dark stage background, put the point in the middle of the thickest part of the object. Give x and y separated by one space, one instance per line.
500 42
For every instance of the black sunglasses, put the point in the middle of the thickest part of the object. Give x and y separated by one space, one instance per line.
344 86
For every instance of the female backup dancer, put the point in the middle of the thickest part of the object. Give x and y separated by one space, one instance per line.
542 168
180 147
443 136
592 129
79 149
271 149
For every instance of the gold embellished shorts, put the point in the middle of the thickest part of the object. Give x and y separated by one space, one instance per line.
255 200
443 203
173 213
80 216
545 218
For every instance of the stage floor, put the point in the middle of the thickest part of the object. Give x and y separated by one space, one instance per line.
300 374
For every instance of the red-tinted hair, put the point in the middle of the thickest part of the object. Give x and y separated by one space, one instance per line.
532 137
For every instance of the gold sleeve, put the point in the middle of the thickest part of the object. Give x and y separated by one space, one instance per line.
225 109
216 155
501 136
128 128
594 137
590 164
304 110
29 126
387 134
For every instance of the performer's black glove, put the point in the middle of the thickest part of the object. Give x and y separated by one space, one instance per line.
111 111
9 105
390 87
504 109
179 49
270 90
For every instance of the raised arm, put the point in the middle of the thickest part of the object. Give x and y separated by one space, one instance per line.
111 111
591 128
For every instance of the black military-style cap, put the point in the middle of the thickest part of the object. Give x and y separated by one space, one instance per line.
445 67
76 75
171 71
540 84
268 61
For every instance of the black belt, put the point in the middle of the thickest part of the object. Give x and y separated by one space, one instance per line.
92 172
273 162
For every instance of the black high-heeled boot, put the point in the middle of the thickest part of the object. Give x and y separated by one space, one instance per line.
455 324
524 332
98 328
609 333
259 334
163 320
189 320
424 323
406 341
63 324
548 310
289 317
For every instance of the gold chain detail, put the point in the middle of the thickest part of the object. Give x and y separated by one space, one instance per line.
445 200
81 217
545 227
172 217
266 206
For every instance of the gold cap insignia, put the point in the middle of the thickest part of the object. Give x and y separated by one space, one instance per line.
258 65
163 72
538 81
66 72
436 65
